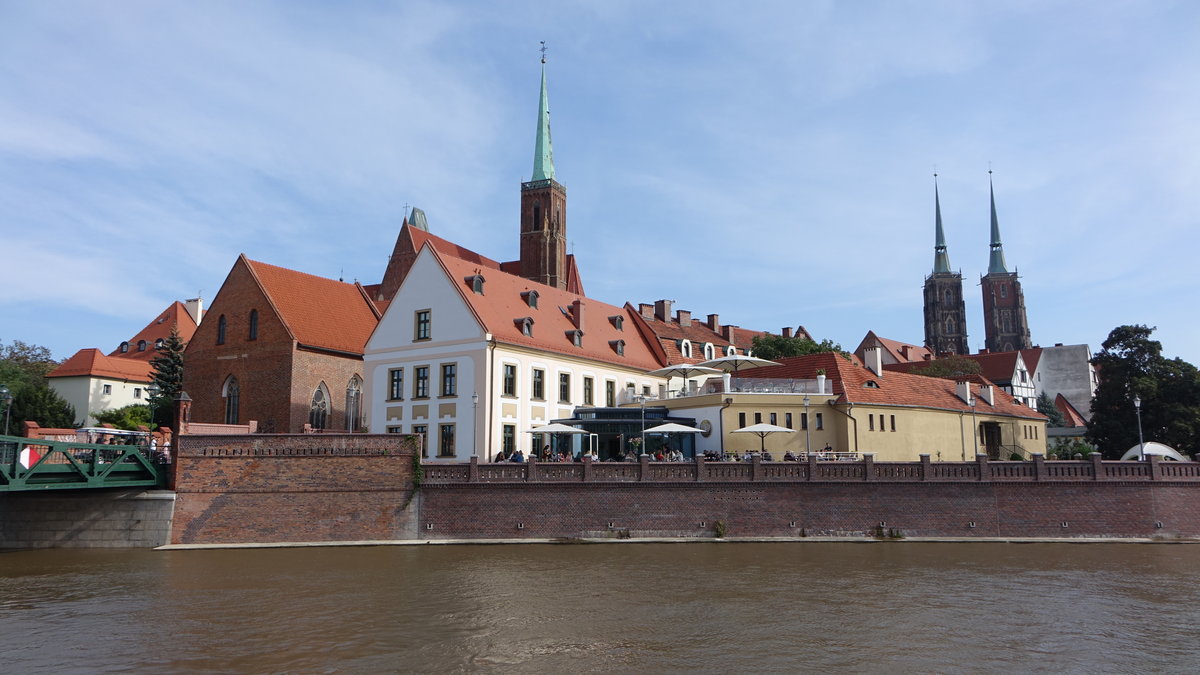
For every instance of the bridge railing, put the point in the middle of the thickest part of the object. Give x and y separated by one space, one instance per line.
38 464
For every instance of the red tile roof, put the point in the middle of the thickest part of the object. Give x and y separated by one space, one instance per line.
849 381
1071 416
175 316
502 305
93 363
318 312
901 352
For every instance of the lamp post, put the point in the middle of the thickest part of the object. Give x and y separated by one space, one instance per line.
475 422
6 399
1137 406
807 447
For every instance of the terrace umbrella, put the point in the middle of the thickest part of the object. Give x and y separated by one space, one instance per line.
673 428
686 371
762 430
737 362
555 428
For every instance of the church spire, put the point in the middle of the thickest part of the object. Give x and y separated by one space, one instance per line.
941 259
996 263
543 154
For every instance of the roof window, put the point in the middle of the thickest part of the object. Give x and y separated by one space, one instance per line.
525 324
530 298
617 321
141 345
618 346
576 337
476 282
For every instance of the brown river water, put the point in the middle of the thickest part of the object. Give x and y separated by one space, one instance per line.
895 607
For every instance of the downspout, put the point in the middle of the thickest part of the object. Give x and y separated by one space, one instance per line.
721 420
490 361
962 434
849 412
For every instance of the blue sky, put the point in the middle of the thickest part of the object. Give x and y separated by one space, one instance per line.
769 162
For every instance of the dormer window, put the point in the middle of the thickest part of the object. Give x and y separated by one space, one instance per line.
530 298
141 345
158 344
576 337
870 384
730 351
124 348
618 346
525 324
617 321
709 351
685 348
475 281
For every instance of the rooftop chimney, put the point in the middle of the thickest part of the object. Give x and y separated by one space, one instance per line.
647 311
963 389
727 333
662 310
684 318
714 323
987 393
195 307
787 331
874 360
577 314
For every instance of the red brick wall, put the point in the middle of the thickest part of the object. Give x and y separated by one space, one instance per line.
293 488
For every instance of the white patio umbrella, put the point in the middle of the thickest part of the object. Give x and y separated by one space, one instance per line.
1152 448
555 428
685 371
737 362
673 428
762 430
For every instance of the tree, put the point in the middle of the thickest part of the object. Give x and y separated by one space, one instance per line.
128 418
777 347
168 376
949 367
1132 365
1047 408
23 367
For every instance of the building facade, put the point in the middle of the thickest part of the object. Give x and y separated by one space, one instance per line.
945 308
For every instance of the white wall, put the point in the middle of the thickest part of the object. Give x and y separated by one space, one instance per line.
88 397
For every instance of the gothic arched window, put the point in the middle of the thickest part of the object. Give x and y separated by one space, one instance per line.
949 295
354 404
253 334
232 393
221 329
318 411
950 325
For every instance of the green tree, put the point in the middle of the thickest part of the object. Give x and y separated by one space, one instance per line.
948 368
778 347
23 368
1047 408
168 376
1131 365
129 417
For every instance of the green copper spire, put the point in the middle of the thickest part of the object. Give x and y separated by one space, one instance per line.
996 264
941 259
543 154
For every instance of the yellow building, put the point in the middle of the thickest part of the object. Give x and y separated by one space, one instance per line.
830 401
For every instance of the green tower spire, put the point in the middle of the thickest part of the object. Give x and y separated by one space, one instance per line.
941 259
543 154
996 263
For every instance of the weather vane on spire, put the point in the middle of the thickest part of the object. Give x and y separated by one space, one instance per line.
543 51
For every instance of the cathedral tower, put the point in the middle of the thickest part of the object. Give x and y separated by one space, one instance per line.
544 209
945 309
1005 323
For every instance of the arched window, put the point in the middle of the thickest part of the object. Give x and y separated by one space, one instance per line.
232 393
730 351
124 347
141 345
221 329
159 343
685 348
949 296
709 351
354 404
253 335
318 412
950 325
537 217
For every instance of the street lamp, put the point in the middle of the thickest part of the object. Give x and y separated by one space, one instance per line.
1137 406
6 399
475 422
807 447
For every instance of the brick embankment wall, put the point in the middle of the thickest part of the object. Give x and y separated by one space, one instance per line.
293 488
971 499
109 518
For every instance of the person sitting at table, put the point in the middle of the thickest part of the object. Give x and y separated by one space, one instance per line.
517 456
788 456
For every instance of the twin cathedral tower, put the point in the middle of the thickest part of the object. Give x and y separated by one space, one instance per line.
1006 326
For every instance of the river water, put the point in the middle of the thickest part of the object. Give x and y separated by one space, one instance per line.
712 607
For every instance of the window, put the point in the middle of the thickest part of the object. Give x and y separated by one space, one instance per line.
531 298
476 282
354 404
221 329
510 379
396 384
774 419
141 345
124 348
617 321
803 421
741 420
685 348
645 390
820 421
610 393
564 387
537 217
893 421
508 439
158 344
446 440
787 420
525 324
539 384
576 337
398 429
137 392
1004 290
730 351
232 393
107 389
758 418
708 351
421 382
950 325
422 431
588 393
421 324
253 334
870 423
618 346
318 410
949 296
449 379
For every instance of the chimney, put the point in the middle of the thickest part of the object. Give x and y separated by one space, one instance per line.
577 314
928 357
195 307
727 333
714 323
963 389
787 331
684 318
662 310
874 360
647 311
904 353
986 393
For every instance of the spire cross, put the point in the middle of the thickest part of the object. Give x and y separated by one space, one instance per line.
543 51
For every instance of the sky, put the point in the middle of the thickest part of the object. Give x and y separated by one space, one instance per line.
770 162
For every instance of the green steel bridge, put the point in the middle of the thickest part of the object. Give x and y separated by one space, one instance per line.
28 464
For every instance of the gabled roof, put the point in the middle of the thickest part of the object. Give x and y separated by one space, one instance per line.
501 307
318 312
849 382
93 363
901 352
1071 416
670 334
175 316
1031 357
